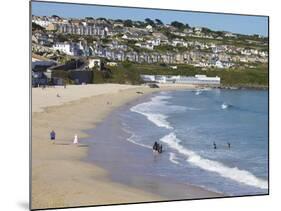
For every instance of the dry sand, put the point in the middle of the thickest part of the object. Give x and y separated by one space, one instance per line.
59 176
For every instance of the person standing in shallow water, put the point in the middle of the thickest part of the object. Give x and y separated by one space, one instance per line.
228 144
215 146
53 136
155 146
160 148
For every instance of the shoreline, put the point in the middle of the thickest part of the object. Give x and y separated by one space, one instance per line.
244 87
102 147
60 177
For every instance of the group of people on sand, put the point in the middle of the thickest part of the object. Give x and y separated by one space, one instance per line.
53 137
157 147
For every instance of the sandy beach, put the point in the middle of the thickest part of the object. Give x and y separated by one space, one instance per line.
59 176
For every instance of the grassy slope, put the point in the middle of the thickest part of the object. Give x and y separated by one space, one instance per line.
129 73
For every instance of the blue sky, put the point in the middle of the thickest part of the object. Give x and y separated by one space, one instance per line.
233 23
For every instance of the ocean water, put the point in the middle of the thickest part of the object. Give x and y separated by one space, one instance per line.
187 123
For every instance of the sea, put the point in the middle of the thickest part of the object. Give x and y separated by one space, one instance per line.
188 124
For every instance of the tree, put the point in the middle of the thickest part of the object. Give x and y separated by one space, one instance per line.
256 36
220 33
105 40
158 22
90 39
61 38
106 73
205 30
89 18
55 16
178 25
36 27
149 21
101 19
128 23
140 24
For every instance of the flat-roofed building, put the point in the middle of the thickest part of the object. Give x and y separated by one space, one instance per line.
197 79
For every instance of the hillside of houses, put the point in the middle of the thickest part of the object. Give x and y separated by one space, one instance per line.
115 42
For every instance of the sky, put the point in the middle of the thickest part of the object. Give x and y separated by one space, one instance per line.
224 22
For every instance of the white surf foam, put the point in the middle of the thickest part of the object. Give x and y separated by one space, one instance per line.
132 140
193 109
173 158
151 110
159 120
235 173
225 106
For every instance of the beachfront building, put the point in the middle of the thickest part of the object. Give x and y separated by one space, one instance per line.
199 79
177 79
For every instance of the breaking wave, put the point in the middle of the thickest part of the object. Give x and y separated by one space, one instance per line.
225 106
151 110
132 140
235 173
173 158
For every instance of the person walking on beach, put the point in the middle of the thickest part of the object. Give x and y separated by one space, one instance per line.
53 136
75 141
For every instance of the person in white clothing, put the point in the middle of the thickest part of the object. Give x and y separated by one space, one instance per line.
75 141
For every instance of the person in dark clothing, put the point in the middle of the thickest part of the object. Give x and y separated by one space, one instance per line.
228 144
160 148
215 146
155 146
53 135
